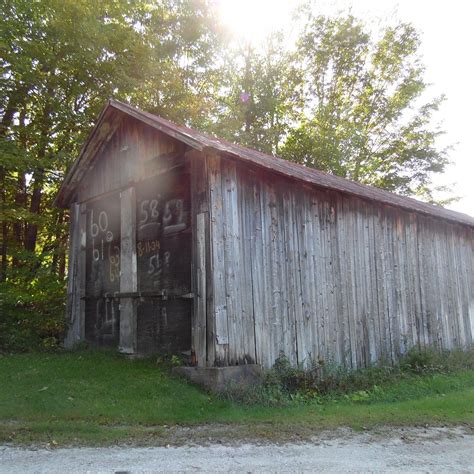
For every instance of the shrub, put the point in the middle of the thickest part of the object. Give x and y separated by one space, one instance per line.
427 360
320 380
32 312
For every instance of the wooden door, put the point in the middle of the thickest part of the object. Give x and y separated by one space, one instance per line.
164 263
102 316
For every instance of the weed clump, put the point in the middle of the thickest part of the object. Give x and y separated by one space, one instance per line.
319 380
427 360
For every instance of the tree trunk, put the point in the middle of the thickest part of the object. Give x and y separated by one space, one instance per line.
62 262
19 225
3 269
20 195
32 229
38 178
248 89
15 100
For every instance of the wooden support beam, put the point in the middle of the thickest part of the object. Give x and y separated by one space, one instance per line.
217 220
128 272
200 313
73 307
81 273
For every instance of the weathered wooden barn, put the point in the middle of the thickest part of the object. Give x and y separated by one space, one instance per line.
183 242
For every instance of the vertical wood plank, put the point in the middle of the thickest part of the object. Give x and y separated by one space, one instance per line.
293 278
290 282
245 206
232 259
306 324
128 272
200 330
80 302
73 296
273 309
259 274
217 219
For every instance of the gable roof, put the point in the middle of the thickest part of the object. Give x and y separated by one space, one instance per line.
104 129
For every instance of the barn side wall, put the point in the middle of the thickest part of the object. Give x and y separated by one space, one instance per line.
315 274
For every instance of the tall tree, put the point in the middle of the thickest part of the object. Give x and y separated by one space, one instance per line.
183 39
258 94
60 60
364 115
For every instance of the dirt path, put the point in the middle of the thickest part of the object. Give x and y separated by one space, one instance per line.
383 450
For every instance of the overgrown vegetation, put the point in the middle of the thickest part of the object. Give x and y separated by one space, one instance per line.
32 311
320 381
92 397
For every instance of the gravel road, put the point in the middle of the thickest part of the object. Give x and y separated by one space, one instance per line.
447 450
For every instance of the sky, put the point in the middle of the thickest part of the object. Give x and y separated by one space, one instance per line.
446 49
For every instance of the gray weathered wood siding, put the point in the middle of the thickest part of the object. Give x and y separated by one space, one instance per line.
134 152
275 265
316 274
137 165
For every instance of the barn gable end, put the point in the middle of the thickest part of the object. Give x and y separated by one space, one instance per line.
131 243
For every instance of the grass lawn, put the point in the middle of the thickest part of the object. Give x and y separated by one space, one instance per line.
101 398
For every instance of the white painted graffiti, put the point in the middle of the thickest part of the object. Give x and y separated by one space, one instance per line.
171 219
103 247
156 264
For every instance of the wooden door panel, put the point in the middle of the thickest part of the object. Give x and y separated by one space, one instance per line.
102 271
164 263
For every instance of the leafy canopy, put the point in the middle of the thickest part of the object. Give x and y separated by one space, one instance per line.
363 115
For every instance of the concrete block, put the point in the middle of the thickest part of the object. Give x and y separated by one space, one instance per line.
217 379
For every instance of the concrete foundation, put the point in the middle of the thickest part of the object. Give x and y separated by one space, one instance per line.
217 379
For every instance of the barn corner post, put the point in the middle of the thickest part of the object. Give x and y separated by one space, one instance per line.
219 337
75 307
128 272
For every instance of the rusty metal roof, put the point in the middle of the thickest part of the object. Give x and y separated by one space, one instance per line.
202 141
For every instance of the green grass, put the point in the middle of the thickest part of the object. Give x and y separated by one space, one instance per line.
102 398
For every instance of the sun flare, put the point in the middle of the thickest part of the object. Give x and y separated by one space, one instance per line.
253 20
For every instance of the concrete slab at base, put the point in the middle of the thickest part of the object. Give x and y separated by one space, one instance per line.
218 379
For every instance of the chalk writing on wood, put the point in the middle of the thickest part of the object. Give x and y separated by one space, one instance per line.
163 247
102 269
164 262
158 263
147 247
161 217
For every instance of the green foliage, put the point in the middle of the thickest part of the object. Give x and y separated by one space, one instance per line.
365 115
258 95
33 311
427 360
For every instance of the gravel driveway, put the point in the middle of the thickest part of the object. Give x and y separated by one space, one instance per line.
385 450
